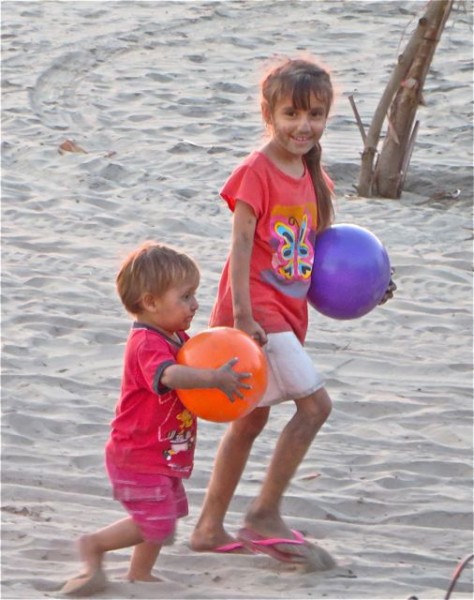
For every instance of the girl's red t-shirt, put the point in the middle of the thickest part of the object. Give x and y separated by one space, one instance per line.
282 254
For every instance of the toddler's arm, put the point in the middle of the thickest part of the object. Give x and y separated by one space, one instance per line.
225 378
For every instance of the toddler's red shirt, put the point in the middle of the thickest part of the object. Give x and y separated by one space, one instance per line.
152 432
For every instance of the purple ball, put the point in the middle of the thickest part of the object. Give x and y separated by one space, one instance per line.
351 272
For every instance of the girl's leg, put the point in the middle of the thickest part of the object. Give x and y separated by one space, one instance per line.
263 515
229 465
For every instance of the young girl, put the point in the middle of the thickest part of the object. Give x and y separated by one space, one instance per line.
151 444
280 197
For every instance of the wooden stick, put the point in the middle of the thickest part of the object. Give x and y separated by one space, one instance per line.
358 119
404 61
407 157
389 171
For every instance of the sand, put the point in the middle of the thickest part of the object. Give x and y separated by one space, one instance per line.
162 97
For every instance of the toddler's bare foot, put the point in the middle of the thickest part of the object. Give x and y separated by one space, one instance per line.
90 553
85 585
93 580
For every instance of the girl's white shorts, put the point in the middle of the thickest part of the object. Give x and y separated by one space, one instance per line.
291 372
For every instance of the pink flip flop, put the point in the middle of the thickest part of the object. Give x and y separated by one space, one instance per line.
229 548
259 543
236 547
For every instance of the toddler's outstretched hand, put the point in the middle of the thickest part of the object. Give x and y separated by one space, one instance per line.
390 290
230 381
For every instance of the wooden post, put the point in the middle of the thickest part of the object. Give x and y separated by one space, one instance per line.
407 83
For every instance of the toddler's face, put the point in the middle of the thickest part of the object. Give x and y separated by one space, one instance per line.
175 309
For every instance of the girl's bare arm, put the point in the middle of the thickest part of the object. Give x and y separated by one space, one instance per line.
243 231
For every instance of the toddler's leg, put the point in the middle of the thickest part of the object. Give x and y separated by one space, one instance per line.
92 547
122 534
143 560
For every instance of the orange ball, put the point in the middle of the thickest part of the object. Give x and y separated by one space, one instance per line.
211 349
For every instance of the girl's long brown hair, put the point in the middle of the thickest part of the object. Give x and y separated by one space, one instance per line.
302 79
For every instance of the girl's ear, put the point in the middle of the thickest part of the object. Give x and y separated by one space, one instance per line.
266 112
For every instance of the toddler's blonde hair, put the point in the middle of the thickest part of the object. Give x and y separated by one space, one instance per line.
152 268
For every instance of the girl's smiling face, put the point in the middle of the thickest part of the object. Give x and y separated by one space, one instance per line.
296 130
